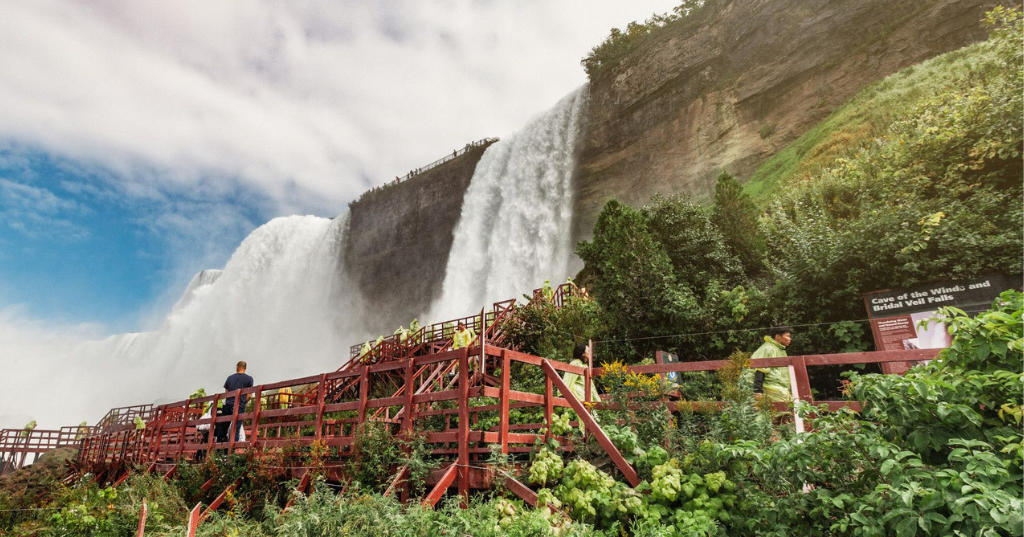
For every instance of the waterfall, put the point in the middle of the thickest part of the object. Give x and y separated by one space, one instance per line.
514 229
282 303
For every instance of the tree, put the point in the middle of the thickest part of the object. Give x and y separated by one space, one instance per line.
737 218
694 245
633 276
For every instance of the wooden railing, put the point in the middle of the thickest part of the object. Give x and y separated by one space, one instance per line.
18 445
459 401
123 416
438 336
799 364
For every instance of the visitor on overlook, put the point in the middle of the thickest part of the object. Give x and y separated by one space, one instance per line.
772 383
238 381
464 336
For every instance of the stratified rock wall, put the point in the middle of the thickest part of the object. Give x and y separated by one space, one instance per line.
399 240
734 83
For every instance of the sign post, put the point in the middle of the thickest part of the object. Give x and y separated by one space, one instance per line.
900 318
662 357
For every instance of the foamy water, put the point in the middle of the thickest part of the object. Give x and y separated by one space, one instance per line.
517 213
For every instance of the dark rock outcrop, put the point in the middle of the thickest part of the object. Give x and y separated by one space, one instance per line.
400 237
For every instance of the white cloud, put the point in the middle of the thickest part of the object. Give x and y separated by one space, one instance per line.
173 109
321 98
37 212
38 365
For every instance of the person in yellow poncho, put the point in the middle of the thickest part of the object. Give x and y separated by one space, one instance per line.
773 382
83 430
284 397
577 383
464 336
402 333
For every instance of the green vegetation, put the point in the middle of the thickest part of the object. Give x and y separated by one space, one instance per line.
620 42
869 115
918 178
936 452
934 193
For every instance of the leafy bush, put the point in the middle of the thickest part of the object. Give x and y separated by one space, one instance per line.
374 451
938 195
543 329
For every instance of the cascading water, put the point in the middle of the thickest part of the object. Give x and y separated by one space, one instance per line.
514 230
282 303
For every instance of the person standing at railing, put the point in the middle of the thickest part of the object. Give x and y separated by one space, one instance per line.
240 380
772 383
83 430
464 336
577 383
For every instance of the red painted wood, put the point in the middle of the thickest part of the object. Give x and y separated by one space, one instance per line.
408 411
399 476
548 406
442 485
213 423
591 424
205 487
506 383
220 499
320 406
234 423
464 427
521 490
257 408
364 390
803 383
184 428
193 520
871 357
142 519
123 478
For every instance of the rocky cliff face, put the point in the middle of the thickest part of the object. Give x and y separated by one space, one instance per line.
724 89
400 237
729 86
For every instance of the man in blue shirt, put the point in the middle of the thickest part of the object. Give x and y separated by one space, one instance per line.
237 381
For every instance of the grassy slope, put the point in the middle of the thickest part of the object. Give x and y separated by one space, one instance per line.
864 117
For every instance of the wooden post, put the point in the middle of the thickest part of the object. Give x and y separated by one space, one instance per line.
142 519
154 446
193 520
232 431
800 385
364 390
463 468
184 428
506 366
257 406
320 406
590 423
407 418
213 424
549 406
483 341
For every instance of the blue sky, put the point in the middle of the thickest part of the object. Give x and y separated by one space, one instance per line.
77 247
140 142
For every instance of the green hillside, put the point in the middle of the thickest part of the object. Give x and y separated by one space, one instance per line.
868 115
